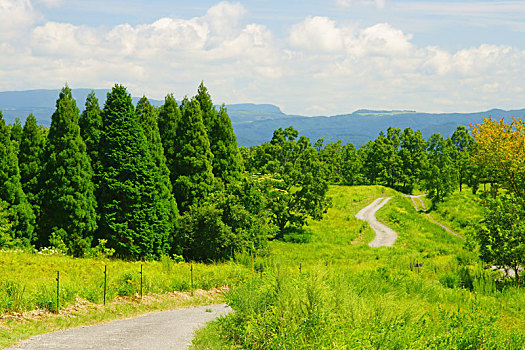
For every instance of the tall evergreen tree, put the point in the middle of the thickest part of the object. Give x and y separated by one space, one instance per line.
12 197
147 115
132 211
227 161
16 134
90 129
30 159
192 165
67 202
168 121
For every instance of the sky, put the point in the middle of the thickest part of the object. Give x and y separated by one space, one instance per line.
307 57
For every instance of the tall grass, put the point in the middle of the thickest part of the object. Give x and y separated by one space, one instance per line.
28 281
338 293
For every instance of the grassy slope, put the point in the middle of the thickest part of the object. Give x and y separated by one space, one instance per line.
28 283
363 297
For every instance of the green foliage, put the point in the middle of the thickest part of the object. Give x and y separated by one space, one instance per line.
30 159
133 215
502 235
227 162
298 186
217 230
5 229
90 123
67 201
12 196
463 143
192 164
168 121
16 134
440 176
147 116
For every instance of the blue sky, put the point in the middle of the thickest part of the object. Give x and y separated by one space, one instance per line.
308 57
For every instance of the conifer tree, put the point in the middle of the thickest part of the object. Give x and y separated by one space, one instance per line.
12 197
147 116
67 202
132 211
30 159
192 165
90 129
227 161
168 121
16 134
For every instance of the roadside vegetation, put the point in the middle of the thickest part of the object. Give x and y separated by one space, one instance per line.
341 294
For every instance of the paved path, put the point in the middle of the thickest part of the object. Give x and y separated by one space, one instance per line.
159 330
385 236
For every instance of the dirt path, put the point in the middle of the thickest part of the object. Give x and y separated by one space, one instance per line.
424 209
385 236
159 330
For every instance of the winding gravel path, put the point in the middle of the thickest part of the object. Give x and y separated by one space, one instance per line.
159 330
385 236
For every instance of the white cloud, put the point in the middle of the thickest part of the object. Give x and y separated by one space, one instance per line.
322 66
16 17
51 3
317 34
380 4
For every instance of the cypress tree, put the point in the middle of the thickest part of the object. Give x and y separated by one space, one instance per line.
227 161
90 129
132 211
168 121
30 159
16 134
12 197
67 202
192 165
147 115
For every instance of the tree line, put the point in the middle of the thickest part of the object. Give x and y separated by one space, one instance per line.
137 180
401 159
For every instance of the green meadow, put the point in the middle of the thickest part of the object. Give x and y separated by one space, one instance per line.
335 292
321 288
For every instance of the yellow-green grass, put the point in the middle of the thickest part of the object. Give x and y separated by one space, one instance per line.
28 282
363 297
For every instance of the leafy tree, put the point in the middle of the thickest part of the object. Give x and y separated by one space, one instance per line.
12 196
440 173
30 159
332 157
90 123
502 234
463 143
298 181
413 157
168 122
67 201
132 212
500 153
217 229
147 115
227 161
192 164
352 166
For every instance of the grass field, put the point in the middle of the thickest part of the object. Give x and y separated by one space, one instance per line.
28 290
331 292
335 292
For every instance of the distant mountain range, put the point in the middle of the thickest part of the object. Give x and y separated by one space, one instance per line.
255 123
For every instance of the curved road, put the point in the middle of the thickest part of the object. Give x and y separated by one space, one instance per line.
159 330
385 236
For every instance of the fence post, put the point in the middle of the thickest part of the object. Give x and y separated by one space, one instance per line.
191 276
141 281
105 281
58 291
